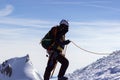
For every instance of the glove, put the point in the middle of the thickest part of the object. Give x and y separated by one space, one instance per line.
67 42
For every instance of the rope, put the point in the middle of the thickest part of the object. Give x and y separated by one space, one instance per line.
89 51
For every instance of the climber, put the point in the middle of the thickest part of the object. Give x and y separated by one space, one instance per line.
54 42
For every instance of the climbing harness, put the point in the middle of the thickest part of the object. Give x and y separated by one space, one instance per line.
90 51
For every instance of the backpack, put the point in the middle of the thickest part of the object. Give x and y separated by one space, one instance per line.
47 42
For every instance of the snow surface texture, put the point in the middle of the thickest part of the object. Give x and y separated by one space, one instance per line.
106 68
21 68
18 69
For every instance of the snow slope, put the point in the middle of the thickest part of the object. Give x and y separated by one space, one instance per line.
19 68
106 68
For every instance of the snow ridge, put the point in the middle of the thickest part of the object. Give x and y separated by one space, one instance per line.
106 68
19 68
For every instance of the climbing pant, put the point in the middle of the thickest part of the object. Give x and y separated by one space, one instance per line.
51 64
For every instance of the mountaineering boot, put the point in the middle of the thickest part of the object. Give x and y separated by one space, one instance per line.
62 78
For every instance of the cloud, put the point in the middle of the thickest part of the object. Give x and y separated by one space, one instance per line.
15 28
26 22
104 7
75 2
75 27
97 4
99 27
94 35
6 11
83 31
98 23
46 24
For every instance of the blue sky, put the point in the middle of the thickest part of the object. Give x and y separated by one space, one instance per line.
94 25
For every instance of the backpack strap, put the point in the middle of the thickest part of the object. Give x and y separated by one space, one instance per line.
54 32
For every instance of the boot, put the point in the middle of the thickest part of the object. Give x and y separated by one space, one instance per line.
62 78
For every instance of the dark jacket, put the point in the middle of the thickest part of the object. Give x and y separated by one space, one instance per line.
57 35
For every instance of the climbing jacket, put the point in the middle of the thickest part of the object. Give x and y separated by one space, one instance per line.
53 40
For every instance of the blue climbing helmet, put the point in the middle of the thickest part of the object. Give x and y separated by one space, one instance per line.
64 22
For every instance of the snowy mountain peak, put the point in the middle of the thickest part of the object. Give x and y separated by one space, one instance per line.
106 68
19 68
